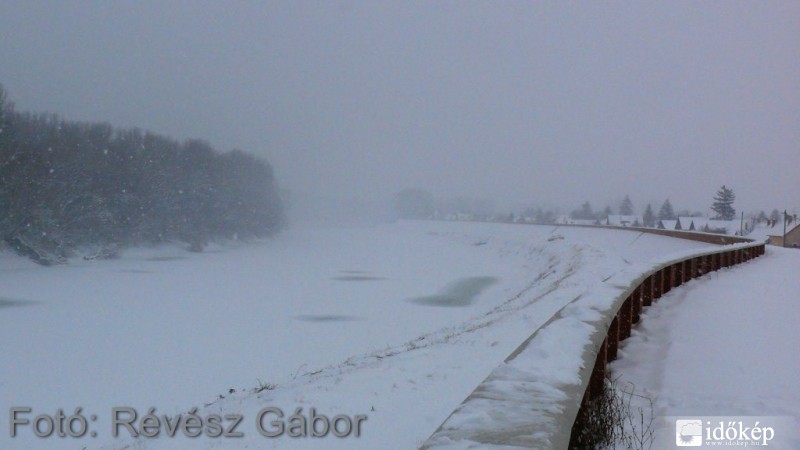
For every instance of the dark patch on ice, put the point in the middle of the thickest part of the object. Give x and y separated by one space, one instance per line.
10 302
135 271
165 258
326 318
357 275
459 293
358 278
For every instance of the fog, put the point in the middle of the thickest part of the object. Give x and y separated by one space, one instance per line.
524 103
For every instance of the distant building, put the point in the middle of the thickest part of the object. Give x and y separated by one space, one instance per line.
723 226
687 223
700 223
792 238
616 220
668 225
567 220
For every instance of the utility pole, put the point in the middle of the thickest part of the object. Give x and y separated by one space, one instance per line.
785 219
741 225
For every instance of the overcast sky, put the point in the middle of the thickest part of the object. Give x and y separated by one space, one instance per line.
528 103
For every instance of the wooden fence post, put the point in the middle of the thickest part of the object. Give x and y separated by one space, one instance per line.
625 320
636 305
597 380
647 291
657 285
612 340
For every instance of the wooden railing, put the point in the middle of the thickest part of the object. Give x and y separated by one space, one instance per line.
555 430
652 287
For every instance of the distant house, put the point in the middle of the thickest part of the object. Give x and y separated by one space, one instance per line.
668 224
723 226
792 238
686 223
700 223
616 220
567 220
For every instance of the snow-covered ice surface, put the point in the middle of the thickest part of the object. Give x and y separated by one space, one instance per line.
725 344
399 322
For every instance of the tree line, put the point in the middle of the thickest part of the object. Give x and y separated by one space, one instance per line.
722 206
69 188
417 203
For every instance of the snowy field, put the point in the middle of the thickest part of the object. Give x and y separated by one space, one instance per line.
398 322
725 344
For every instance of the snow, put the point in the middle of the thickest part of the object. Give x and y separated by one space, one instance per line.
329 318
722 345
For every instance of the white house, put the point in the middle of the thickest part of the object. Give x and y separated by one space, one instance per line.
668 224
730 226
624 221
687 223
567 220
700 223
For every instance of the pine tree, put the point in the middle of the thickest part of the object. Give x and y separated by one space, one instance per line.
775 216
723 204
626 207
585 213
606 212
666 212
85 186
649 218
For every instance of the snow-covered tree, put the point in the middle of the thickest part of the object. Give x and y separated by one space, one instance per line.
607 211
723 204
775 216
584 213
87 185
626 207
649 218
666 212
544 217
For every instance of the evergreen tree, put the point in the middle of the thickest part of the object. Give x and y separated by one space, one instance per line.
544 217
649 218
5 160
666 212
723 204
584 213
606 212
775 216
626 207
5 109
66 186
